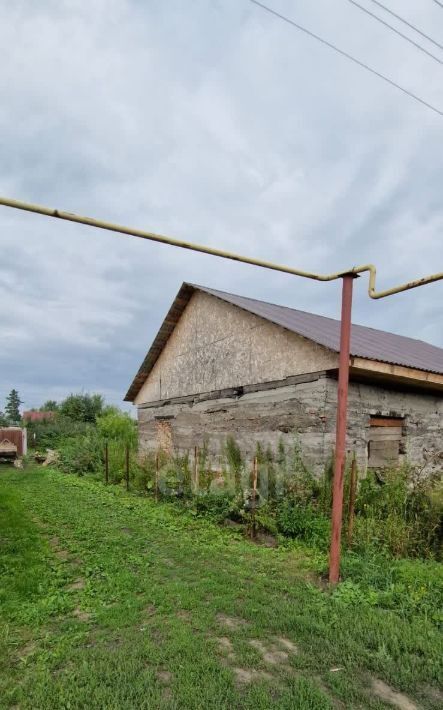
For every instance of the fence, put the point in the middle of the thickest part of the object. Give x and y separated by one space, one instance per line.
262 480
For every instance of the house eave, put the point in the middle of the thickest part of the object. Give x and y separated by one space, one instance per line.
172 317
384 372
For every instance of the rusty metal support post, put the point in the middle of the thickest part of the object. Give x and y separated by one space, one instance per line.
340 436
352 492
106 463
127 467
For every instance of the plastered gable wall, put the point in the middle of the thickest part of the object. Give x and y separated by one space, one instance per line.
217 345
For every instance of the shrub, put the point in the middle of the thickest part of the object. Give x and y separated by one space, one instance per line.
218 506
265 519
303 522
399 514
408 586
234 460
51 433
118 426
82 407
143 472
81 455
174 476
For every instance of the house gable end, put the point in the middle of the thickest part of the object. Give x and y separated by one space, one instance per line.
215 345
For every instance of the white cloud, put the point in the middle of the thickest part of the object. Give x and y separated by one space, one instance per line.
214 122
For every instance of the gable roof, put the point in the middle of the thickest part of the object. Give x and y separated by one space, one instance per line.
368 343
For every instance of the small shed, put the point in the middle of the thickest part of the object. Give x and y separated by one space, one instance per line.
13 440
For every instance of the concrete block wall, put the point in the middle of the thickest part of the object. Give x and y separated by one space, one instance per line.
423 421
291 409
265 416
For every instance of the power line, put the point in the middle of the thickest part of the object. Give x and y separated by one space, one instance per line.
409 24
397 32
348 56
437 2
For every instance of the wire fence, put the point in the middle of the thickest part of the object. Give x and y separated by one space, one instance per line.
252 484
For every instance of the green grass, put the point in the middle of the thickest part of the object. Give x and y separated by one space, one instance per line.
156 590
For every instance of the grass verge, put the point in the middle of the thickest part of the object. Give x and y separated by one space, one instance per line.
111 601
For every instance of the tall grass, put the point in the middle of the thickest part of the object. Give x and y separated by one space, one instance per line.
398 513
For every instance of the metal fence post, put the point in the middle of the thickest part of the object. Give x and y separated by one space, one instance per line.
157 466
197 470
340 438
254 493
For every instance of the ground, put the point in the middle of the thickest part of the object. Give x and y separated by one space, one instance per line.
113 601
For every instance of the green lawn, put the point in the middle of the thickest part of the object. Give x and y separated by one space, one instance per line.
113 601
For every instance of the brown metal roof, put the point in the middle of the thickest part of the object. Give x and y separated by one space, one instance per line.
366 342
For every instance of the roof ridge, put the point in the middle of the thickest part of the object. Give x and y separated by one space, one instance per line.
366 342
310 313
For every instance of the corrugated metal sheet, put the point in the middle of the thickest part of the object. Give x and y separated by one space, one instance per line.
366 342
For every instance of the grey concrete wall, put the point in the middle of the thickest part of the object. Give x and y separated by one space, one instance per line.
423 420
263 416
217 345
305 410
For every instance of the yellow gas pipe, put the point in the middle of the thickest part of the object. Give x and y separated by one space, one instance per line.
142 234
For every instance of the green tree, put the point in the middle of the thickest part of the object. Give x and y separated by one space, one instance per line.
3 419
118 426
12 409
82 407
49 406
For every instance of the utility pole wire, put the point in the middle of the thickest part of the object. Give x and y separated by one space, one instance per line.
397 32
437 2
409 24
348 56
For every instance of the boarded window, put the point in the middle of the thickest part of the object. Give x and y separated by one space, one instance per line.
164 435
385 439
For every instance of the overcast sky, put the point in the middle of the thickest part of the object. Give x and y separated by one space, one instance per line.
215 122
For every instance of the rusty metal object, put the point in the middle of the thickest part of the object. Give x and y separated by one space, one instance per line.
12 442
340 438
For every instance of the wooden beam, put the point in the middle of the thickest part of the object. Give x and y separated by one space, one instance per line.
408 375
387 421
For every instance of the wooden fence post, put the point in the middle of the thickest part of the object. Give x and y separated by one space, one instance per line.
127 467
254 493
352 493
106 463
156 476
196 471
